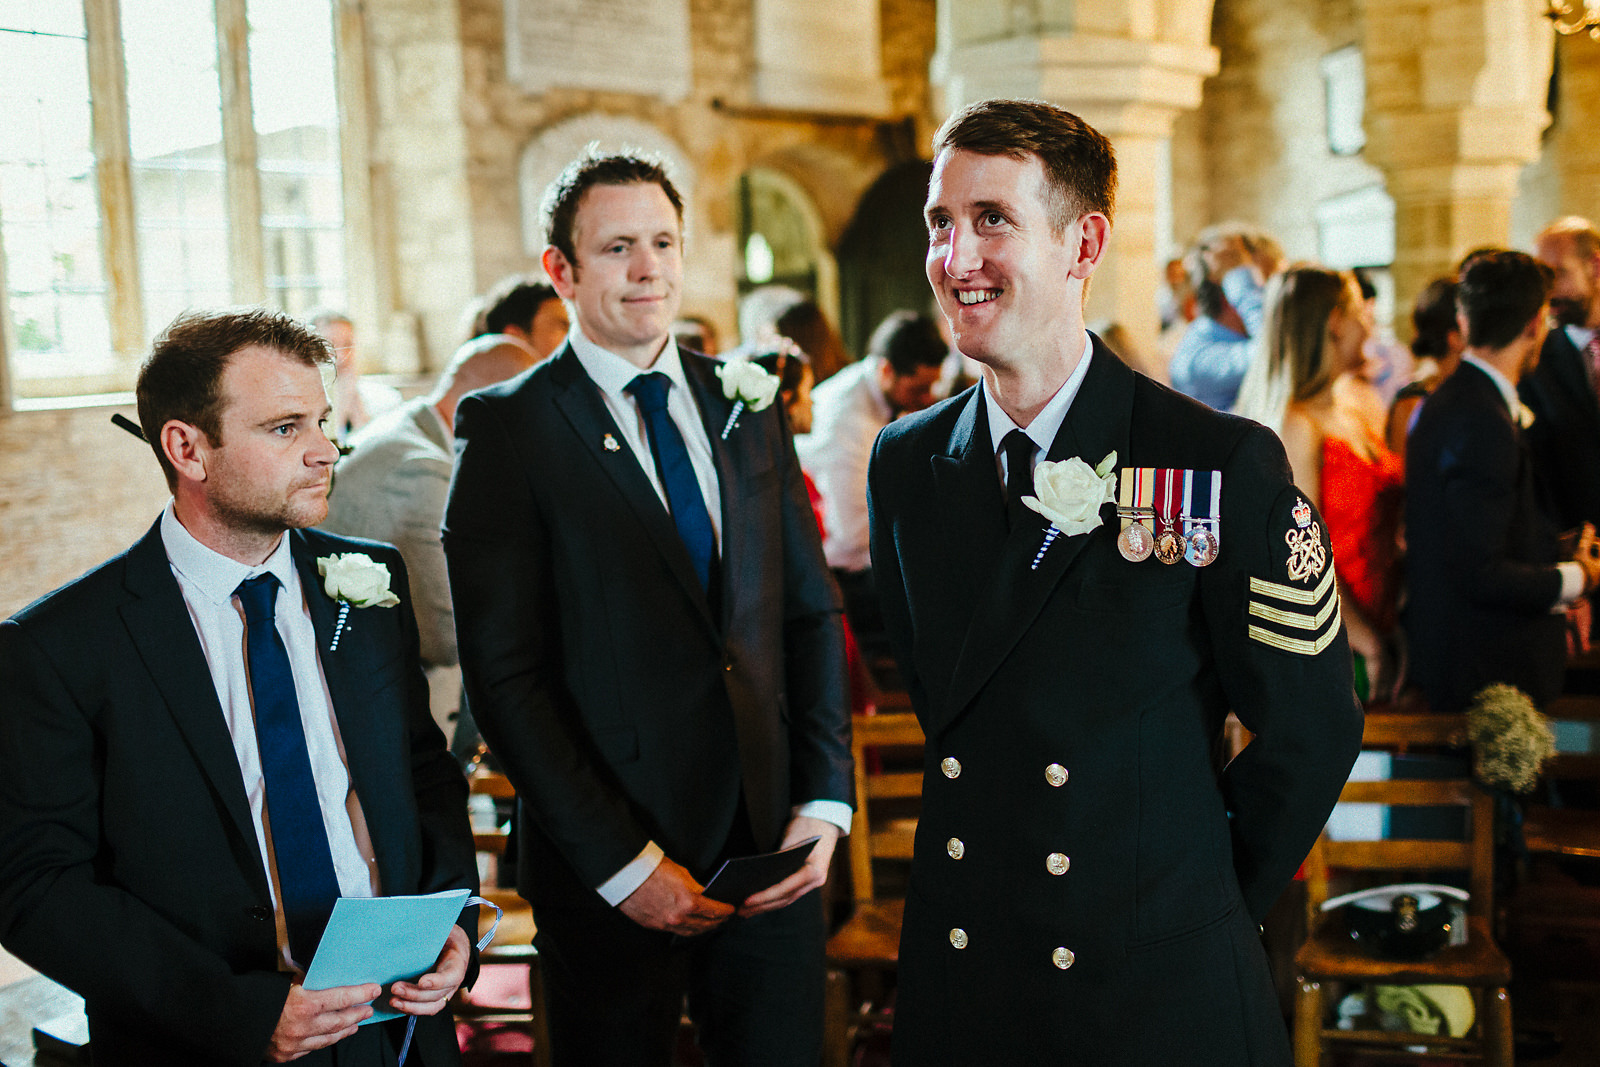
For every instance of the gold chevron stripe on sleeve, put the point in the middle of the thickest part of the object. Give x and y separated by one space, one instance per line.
1297 645
1298 620
1290 593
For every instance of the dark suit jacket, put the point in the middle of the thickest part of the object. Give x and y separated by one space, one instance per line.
623 709
1482 554
1565 435
129 866
1121 674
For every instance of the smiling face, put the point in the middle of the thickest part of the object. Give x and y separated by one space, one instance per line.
1007 284
625 284
270 469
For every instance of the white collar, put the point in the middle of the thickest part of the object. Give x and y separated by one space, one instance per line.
214 574
1580 336
1508 392
1045 425
613 374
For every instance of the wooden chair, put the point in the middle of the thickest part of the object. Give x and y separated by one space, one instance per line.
513 942
863 953
1330 956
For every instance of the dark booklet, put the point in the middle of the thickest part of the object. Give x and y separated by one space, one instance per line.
738 878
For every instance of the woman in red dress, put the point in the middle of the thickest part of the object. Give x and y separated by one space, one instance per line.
1316 323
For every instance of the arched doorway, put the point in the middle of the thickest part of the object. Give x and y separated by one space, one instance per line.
882 251
781 239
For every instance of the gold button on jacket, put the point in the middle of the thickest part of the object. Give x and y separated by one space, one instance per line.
955 847
1057 863
951 767
958 938
1056 775
1062 958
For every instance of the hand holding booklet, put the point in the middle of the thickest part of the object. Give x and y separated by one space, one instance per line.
738 878
383 940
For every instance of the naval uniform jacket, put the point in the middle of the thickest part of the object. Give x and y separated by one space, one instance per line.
129 866
1088 878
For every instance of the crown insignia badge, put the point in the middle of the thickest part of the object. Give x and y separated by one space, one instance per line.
1302 513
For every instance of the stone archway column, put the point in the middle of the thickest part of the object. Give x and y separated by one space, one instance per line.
1455 107
1125 84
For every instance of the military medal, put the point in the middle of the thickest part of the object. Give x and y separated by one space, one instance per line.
1202 516
1170 544
1136 542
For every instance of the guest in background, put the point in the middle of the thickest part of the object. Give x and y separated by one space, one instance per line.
778 310
697 334
393 486
1315 329
356 400
527 312
1437 346
904 358
1487 585
1561 389
1229 266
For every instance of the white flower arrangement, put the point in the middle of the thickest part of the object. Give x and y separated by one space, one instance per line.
354 579
1510 738
747 385
1070 494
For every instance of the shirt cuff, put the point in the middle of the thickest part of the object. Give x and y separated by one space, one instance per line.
1571 585
620 886
835 811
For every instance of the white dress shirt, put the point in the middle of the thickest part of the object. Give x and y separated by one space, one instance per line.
612 374
207 580
1045 425
848 410
1571 573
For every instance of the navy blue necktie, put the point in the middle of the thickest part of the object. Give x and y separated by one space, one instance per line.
688 507
307 883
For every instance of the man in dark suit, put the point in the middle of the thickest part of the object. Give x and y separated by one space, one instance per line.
201 752
1560 389
652 648
1487 587
1088 877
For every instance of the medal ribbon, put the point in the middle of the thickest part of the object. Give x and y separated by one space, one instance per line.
1166 493
1136 494
1202 500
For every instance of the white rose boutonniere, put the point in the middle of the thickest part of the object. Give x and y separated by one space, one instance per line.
747 385
1070 495
357 580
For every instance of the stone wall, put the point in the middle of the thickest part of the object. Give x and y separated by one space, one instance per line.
74 490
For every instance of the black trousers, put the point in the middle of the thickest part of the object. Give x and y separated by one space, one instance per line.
614 991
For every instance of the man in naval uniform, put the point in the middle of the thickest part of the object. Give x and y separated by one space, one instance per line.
1088 875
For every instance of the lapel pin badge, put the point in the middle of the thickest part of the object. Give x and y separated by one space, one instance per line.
610 443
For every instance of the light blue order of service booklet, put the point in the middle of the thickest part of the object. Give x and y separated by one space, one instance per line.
383 940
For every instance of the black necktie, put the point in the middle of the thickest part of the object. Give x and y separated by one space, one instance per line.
1019 474
307 883
676 472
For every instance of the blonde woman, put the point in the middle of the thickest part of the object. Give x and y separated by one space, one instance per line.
1315 326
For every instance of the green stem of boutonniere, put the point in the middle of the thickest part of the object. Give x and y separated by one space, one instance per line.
733 418
338 629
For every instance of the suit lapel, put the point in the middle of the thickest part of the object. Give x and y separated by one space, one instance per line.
1096 424
158 622
585 410
348 670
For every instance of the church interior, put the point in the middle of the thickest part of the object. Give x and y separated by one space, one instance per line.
388 158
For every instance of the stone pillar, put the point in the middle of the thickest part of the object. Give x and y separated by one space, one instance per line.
1108 62
1576 145
1455 107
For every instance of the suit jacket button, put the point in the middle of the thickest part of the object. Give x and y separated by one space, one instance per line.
958 937
955 847
1062 958
1056 775
951 767
260 914
1057 863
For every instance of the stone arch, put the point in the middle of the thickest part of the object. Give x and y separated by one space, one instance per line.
882 251
548 154
767 182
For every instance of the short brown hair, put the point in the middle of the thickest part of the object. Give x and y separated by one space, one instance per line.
1080 166
182 377
1580 231
1499 294
560 207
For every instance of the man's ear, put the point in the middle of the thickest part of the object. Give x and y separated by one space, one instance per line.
186 448
1093 234
563 273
